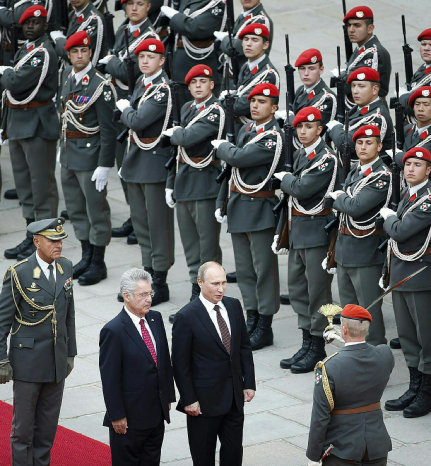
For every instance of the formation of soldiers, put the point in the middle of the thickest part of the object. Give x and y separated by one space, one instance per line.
185 100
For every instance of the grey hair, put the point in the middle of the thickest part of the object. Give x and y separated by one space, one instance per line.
204 268
357 328
131 277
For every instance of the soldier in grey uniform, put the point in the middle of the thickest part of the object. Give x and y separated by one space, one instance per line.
83 17
251 221
31 123
193 26
346 401
147 115
314 176
193 182
368 109
409 250
37 310
367 188
88 135
369 51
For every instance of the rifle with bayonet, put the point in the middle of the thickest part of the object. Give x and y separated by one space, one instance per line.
341 87
290 80
234 54
13 33
407 50
63 16
109 25
347 44
399 115
174 117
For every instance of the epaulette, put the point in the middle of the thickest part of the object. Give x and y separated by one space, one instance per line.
13 266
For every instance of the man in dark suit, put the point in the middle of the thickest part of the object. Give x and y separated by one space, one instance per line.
346 403
213 368
136 373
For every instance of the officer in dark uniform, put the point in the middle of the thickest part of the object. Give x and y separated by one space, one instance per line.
409 231
37 310
31 123
346 401
86 156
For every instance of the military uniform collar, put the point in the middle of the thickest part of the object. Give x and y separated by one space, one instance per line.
307 90
310 149
371 104
203 104
152 78
250 12
80 12
369 166
80 75
253 64
264 127
368 43
415 189
135 27
421 130
44 266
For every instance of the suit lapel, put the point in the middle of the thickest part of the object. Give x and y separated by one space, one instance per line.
208 323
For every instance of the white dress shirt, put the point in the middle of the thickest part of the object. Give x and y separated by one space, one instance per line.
78 76
253 64
209 306
44 266
415 189
351 343
309 149
136 322
365 167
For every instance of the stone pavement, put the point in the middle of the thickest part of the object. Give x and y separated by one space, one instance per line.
277 420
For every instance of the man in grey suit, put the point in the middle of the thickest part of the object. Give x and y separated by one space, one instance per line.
346 402
37 309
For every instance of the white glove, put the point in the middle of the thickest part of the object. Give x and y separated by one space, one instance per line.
3 142
55 35
219 217
314 463
382 285
169 198
217 142
331 124
403 91
281 251
220 35
280 175
336 194
224 93
122 104
119 173
3 68
281 115
332 334
100 176
386 212
332 270
170 131
335 71
106 59
168 11
390 152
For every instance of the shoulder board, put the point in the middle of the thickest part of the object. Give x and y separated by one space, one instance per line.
12 267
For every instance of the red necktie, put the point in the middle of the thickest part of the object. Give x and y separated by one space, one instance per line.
365 110
311 95
147 340
367 171
412 198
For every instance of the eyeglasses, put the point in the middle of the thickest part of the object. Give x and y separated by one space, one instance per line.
145 295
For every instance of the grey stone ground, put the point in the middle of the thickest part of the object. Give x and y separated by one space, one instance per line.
277 421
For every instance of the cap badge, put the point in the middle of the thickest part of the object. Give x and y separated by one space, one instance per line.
313 59
258 31
369 132
37 13
266 92
360 14
85 41
419 154
152 47
425 92
361 76
206 72
59 228
310 117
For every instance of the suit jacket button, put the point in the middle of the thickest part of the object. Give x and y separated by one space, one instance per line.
20 345
88 144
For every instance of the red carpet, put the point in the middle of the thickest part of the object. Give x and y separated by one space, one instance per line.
70 448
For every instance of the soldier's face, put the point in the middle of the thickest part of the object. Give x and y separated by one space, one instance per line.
425 50
422 109
249 4
150 63
262 109
254 46
310 74
137 10
416 171
79 57
358 31
34 28
308 132
213 286
48 249
364 92
367 149
139 302
201 88
79 4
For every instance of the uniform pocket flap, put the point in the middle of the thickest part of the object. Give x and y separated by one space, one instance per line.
22 342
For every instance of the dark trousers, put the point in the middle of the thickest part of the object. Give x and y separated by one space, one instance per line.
203 432
138 447
332 460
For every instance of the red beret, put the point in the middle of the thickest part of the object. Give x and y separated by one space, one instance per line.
35 11
417 153
366 131
79 39
265 89
424 91
364 74
308 114
203 71
424 35
353 311
359 12
150 45
308 57
256 29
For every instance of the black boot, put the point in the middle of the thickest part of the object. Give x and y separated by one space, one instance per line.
231 277
123 231
395 343
64 214
150 270
11 194
28 251
315 354
252 320
422 403
84 263
160 288
131 239
196 289
262 336
12 253
97 270
284 299
406 398
171 318
306 345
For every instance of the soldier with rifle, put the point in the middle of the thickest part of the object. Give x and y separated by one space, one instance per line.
256 156
367 188
409 230
147 114
314 175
